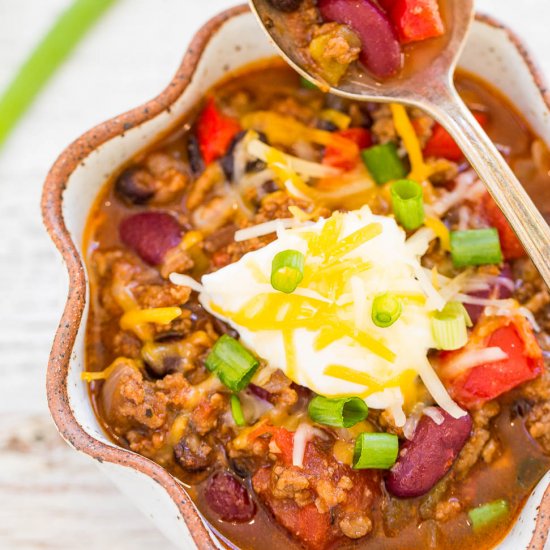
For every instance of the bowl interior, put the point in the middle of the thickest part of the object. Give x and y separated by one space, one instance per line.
490 52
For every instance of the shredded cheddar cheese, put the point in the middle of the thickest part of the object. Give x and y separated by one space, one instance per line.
134 319
440 230
322 335
420 171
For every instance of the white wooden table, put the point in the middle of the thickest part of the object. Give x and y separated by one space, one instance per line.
50 497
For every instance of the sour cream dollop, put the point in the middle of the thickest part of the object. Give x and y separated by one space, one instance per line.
322 335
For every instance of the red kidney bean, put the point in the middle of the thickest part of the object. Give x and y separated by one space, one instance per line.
381 52
229 498
424 460
150 235
500 289
260 392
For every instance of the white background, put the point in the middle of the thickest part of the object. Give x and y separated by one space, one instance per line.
49 496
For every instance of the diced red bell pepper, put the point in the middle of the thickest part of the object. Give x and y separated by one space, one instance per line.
442 145
344 148
215 131
486 382
512 249
415 20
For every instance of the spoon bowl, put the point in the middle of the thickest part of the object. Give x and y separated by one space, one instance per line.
429 87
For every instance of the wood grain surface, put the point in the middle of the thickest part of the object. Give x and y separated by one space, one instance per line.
50 497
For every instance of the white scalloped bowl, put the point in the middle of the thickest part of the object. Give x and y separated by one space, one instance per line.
227 42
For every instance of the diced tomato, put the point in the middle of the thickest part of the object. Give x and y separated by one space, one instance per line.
344 148
285 441
488 381
215 131
512 249
306 523
415 20
441 144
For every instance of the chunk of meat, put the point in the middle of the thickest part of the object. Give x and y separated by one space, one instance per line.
205 416
129 401
176 260
479 440
160 295
212 176
333 48
537 414
193 453
132 403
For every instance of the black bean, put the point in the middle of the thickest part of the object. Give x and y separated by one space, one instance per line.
135 185
270 187
240 467
255 165
196 161
327 125
286 5
227 161
520 408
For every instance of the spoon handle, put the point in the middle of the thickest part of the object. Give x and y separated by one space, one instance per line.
450 111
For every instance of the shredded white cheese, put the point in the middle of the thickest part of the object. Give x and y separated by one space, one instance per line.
473 358
266 228
435 414
184 280
303 167
302 436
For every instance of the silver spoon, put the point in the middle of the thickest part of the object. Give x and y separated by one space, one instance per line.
431 89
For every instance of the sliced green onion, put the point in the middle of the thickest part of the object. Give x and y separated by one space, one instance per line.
407 202
375 450
237 411
307 84
287 270
386 309
49 53
487 514
449 326
340 413
233 364
383 163
475 247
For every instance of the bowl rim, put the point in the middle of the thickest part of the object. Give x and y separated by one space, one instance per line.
65 336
